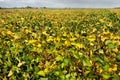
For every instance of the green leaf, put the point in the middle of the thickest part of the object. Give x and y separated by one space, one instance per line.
106 75
100 60
106 67
39 51
86 62
111 45
41 73
67 76
37 59
115 77
0 55
57 73
118 57
108 42
63 65
43 78
86 73
36 68
59 58
66 61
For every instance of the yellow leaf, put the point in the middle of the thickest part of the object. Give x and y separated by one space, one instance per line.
47 64
101 51
66 43
77 35
50 38
46 70
72 39
44 32
9 32
91 62
115 67
41 73
107 32
110 69
91 44
54 40
26 30
10 73
2 21
91 38
103 38
43 42
21 63
119 73
32 41
101 20
3 32
58 39
116 37
59 58
22 19
94 29
115 50
78 45
71 34
5 78
101 70
64 34
110 24
39 45
91 52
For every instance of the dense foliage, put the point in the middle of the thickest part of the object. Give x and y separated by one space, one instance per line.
60 44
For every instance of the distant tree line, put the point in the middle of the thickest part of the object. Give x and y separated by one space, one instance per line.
0 7
27 7
117 7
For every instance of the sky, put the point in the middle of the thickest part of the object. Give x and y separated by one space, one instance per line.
61 3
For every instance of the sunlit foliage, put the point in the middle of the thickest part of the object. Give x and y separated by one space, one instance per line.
57 44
